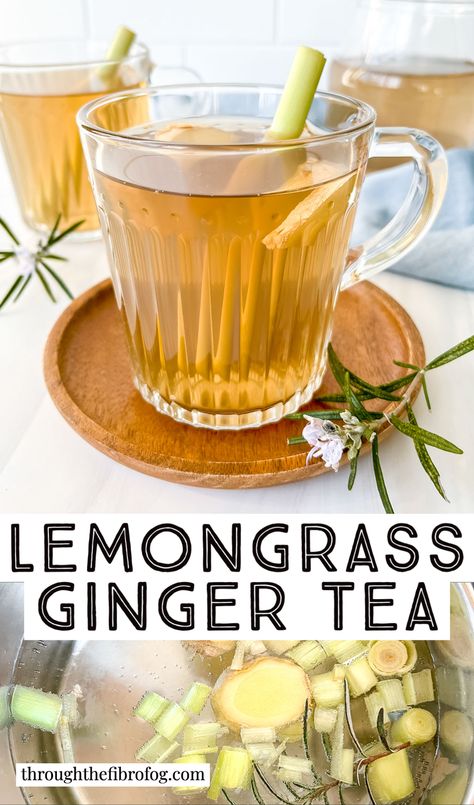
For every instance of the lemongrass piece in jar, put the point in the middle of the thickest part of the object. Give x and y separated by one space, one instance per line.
451 790
324 719
5 717
150 707
118 49
456 732
393 699
308 654
390 778
327 689
337 745
280 646
345 650
418 687
36 708
210 648
293 769
201 737
360 677
451 687
195 698
415 726
233 770
172 721
374 704
157 750
266 692
388 657
255 735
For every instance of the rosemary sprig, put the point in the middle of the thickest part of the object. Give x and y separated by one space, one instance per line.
36 262
329 439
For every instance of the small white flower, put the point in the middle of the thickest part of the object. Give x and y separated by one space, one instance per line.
25 259
326 441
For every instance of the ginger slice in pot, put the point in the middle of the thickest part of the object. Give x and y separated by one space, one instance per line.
267 692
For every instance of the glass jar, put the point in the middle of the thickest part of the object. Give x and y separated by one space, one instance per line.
412 60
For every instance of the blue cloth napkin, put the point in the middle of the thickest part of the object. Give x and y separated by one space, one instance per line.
446 253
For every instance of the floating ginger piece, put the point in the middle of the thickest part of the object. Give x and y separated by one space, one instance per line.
267 692
312 213
195 134
210 648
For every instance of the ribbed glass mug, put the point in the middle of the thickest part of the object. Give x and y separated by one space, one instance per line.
227 257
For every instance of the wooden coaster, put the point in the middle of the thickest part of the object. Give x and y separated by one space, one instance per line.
88 375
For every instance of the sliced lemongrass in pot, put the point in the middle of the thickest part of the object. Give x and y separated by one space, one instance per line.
374 704
324 719
293 769
308 654
416 726
345 650
360 677
157 750
5 717
233 770
390 778
255 735
36 708
150 707
172 721
418 687
456 732
392 694
327 689
392 657
261 753
202 737
117 50
195 698
338 768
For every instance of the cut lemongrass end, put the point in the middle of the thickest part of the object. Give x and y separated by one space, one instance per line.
195 698
416 726
324 719
255 735
36 708
157 750
293 769
418 687
337 745
233 770
327 691
196 760
388 657
70 709
456 732
360 677
172 721
150 707
308 654
374 704
390 778
297 97
201 738
393 698
239 655
117 50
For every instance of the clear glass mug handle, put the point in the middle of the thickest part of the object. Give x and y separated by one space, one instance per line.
418 210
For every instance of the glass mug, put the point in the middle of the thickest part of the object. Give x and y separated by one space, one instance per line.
42 87
227 257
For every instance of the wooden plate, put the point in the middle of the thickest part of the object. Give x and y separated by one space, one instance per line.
88 375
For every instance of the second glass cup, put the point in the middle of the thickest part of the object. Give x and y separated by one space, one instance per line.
228 249
42 86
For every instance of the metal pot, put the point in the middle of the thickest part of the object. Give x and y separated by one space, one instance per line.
115 675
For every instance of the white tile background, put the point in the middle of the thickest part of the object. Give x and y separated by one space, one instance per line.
224 40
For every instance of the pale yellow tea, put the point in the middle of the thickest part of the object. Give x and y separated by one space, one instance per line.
43 149
435 95
228 299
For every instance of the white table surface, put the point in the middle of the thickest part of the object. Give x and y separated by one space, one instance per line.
46 466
